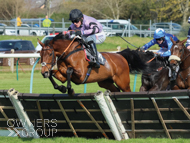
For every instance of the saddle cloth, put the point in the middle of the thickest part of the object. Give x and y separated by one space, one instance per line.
90 57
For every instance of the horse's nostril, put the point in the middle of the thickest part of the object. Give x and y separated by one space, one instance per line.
45 74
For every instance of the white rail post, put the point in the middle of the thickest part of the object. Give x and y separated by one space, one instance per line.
99 96
150 28
129 34
115 116
12 61
22 115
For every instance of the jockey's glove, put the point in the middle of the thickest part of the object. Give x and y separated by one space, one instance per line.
78 33
142 48
157 54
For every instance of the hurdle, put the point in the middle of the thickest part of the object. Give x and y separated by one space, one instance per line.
111 115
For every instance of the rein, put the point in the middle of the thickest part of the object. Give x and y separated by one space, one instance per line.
186 57
128 42
72 52
150 60
52 62
66 49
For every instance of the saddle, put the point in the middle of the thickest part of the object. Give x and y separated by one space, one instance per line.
89 53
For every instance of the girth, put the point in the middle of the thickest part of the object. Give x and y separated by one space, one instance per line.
74 51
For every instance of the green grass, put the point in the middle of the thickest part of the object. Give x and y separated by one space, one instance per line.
110 44
43 85
84 140
40 85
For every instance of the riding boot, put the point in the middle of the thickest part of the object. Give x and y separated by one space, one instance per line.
93 46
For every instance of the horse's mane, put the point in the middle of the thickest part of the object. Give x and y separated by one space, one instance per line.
152 64
133 59
62 36
58 37
146 56
47 42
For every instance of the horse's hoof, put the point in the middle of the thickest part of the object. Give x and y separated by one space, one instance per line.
71 92
63 89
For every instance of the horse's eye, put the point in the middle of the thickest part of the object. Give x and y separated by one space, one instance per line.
180 50
50 54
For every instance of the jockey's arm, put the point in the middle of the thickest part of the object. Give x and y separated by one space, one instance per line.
92 30
149 44
166 54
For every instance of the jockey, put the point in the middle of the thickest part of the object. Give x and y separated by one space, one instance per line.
89 29
188 36
163 40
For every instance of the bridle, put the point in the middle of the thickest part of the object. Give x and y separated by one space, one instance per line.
52 62
181 59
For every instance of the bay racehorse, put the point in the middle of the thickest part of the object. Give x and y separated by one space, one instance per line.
180 55
156 75
72 64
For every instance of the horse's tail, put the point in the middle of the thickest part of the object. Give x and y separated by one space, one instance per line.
135 62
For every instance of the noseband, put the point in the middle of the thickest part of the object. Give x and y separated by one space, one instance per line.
178 59
52 62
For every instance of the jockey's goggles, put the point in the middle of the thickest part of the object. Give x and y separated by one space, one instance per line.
76 20
160 39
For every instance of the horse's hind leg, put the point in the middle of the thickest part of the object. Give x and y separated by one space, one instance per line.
108 84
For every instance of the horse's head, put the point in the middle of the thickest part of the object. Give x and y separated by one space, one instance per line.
145 56
48 58
177 53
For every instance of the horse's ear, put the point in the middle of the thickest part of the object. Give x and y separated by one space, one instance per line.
184 41
172 40
42 44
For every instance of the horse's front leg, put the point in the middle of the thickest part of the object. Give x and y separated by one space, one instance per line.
142 88
175 87
70 90
156 87
60 77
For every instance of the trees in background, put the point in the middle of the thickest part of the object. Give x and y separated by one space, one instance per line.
156 10
11 8
176 10
52 6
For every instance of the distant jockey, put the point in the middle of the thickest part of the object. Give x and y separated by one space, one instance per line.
163 40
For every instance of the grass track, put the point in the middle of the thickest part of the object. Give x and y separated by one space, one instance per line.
84 140
41 85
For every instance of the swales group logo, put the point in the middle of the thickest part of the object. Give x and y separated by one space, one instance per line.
40 127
